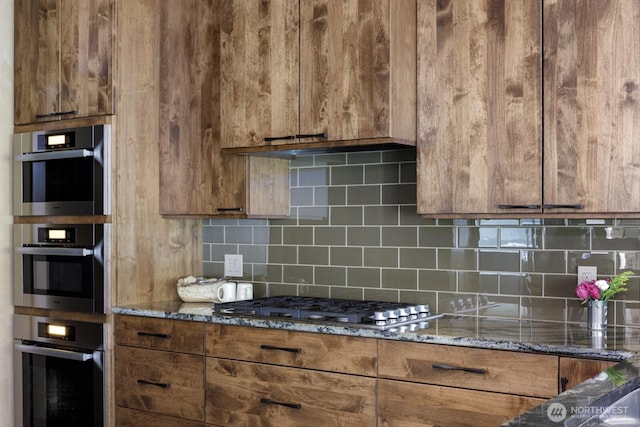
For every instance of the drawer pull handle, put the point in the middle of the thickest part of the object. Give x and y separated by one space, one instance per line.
290 350
578 206
163 385
518 207
154 335
459 368
312 135
278 138
274 402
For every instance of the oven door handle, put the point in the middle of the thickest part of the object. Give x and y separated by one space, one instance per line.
54 155
55 251
55 352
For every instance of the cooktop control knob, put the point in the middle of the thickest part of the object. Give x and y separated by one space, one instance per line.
403 315
380 318
392 316
413 312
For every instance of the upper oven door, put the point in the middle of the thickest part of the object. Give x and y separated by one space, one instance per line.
60 267
62 172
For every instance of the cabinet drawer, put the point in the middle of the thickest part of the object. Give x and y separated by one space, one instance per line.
252 394
409 404
161 382
306 350
160 334
132 418
480 369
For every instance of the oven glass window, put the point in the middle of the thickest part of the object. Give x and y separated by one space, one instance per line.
60 392
63 180
55 275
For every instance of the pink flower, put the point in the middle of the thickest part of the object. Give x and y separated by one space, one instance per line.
586 290
582 291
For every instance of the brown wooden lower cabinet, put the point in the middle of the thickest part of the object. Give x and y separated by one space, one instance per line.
573 371
410 404
255 394
160 382
126 417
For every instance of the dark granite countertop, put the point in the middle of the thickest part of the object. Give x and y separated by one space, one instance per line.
562 339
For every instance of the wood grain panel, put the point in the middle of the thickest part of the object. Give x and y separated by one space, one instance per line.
305 350
350 54
86 56
235 392
63 59
196 178
160 382
259 71
418 405
479 101
150 252
503 371
36 74
573 371
159 334
132 418
592 109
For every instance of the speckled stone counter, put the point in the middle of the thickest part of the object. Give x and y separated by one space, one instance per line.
617 343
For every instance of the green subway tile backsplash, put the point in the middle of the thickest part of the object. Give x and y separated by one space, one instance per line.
353 232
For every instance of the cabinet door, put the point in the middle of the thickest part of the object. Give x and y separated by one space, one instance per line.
196 178
132 418
574 371
259 71
63 59
255 394
412 405
479 100
356 64
159 381
592 105
475 368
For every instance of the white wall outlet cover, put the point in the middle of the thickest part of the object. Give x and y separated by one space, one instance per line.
233 265
586 273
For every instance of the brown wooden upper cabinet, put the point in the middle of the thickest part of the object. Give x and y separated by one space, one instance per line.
63 59
509 124
304 71
196 178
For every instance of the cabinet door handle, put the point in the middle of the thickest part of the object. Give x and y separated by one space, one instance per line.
271 347
230 209
154 335
56 114
162 385
518 206
312 135
563 383
278 138
274 402
577 206
481 371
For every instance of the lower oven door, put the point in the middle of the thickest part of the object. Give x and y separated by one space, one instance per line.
58 386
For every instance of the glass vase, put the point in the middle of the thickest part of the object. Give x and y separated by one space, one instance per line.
597 315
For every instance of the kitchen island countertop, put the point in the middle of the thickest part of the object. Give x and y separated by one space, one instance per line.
562 339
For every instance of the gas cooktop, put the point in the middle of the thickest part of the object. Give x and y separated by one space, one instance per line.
369 314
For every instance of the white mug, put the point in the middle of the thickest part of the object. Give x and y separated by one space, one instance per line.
226 292
244 291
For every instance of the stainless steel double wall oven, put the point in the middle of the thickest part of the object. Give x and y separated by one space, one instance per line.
62 194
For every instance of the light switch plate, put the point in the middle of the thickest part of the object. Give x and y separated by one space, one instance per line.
586 272
232 265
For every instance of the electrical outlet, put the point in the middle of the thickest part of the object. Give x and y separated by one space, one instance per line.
586 272
232 265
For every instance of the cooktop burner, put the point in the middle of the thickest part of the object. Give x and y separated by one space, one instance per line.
371 314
